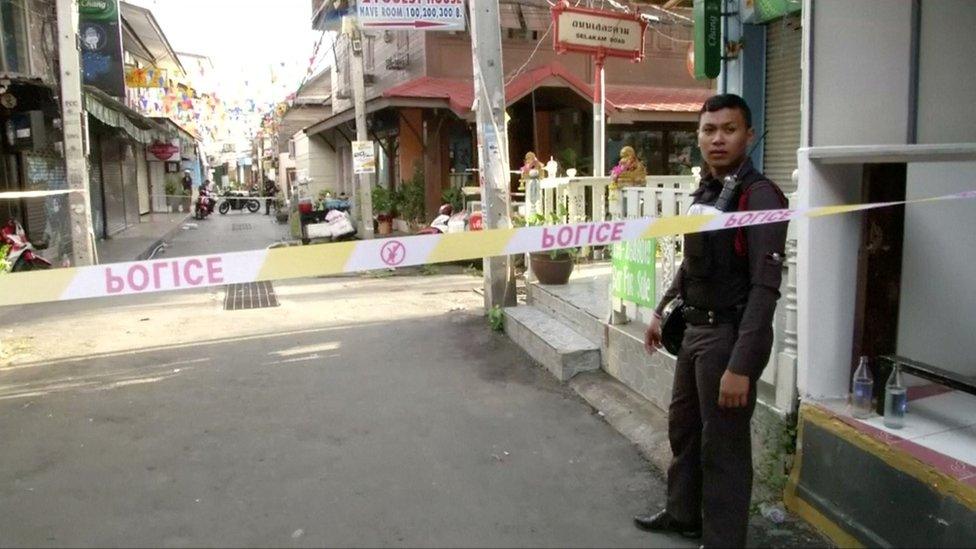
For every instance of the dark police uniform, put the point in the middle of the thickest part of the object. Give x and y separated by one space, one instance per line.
729 281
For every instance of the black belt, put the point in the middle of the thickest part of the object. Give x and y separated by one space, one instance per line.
705 317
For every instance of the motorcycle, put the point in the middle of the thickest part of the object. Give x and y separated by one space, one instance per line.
238 202
205 204
22 255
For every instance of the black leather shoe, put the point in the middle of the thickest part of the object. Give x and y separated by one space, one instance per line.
663 522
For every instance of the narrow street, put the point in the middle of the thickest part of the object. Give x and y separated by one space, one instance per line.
361 411
237 231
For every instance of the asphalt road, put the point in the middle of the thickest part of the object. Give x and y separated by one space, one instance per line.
361 412
234 232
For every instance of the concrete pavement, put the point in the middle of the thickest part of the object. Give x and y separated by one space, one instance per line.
139 240
361 412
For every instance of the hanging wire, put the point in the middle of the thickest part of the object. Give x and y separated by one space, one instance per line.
531 56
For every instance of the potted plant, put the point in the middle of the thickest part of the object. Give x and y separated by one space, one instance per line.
551 266
383 206
281 213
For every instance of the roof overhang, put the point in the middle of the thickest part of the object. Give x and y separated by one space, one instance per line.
144 37
375 105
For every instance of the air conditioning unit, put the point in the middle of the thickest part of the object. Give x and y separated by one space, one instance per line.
398 62
369 79
343 94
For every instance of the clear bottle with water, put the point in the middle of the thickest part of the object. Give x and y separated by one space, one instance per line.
863 390
896 400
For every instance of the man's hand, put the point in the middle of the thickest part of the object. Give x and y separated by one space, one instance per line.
733 391
652 338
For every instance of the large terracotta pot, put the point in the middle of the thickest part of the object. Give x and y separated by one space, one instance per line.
551 271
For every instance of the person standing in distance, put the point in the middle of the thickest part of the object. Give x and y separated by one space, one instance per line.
729 281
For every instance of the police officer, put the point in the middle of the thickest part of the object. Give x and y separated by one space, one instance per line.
729 281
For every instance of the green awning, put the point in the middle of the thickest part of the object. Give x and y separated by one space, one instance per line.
111 112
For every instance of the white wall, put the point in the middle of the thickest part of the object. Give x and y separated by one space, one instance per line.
285 162
317 160
861 71
947 72
936 323
826 279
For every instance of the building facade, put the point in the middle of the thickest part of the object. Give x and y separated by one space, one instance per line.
419 96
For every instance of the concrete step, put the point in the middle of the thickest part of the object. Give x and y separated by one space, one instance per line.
556 346
580 320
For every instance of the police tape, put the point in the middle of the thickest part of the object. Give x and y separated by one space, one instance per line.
17 195
182 273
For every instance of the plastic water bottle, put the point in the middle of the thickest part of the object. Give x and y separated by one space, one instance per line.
863 390
896 400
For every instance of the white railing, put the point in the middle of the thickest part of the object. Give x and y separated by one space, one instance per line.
579 198
663 196
588 198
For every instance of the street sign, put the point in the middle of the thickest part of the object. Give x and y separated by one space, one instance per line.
598 32
437 15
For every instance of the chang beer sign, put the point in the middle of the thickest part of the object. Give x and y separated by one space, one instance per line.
98 10
708 38
100 35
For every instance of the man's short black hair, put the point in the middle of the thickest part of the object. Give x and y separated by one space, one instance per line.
727 101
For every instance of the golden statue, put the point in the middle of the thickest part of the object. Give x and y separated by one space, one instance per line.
629 171
531 164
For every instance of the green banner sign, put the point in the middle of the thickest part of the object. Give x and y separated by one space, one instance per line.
99 10
708 38
633 272
762 11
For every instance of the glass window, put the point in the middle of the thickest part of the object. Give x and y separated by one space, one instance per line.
683 153
14 35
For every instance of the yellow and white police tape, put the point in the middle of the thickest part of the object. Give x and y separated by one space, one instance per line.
161 275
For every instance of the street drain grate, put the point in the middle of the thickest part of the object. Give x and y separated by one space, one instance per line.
241 227
253 295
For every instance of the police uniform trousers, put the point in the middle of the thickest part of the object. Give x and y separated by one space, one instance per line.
710 477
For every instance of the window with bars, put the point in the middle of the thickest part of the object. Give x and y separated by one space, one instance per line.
13 37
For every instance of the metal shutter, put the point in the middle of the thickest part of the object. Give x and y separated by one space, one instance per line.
783 77
142 179
130 184
113 186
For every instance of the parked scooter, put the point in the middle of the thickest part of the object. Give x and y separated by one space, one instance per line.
206 200
238 202
22 255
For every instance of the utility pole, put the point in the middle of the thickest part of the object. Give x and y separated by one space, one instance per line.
489 89
359 104
72 120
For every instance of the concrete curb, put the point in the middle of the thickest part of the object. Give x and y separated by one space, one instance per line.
633 416
163 239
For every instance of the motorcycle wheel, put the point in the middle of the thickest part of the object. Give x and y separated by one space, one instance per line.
24 265
224 208
253 206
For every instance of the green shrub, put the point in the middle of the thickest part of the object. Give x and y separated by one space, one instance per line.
413 198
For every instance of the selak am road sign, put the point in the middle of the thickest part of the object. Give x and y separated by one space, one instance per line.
437 15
